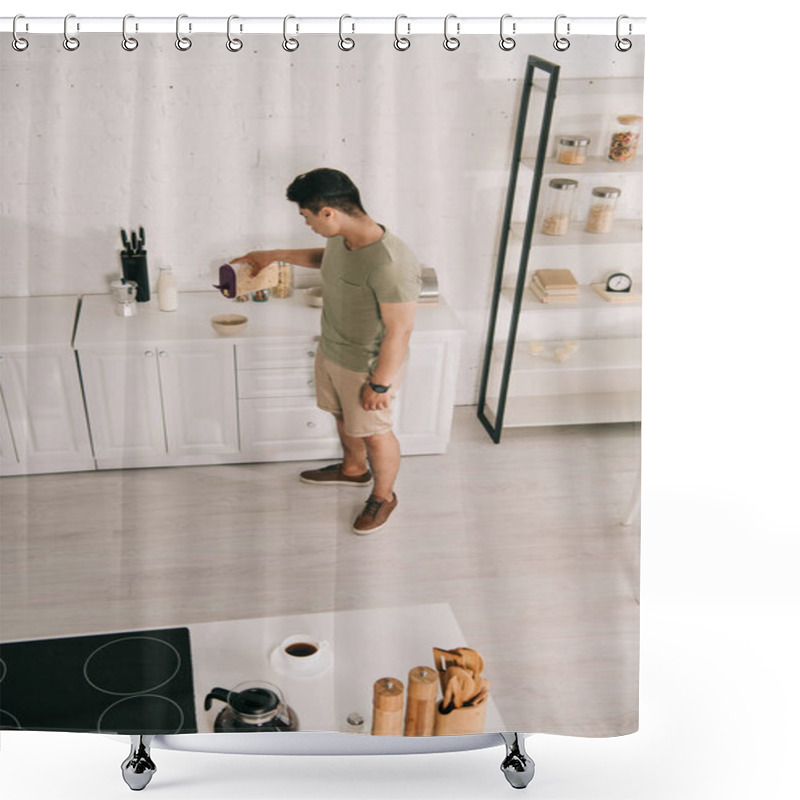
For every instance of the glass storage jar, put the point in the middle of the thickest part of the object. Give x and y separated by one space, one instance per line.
625 138
572 149
558 206
285 285
602 209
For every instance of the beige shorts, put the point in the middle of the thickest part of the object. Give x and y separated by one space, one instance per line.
339 391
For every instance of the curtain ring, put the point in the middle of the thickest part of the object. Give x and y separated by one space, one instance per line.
182 42
17 42
401 42
70 42
451 42
623 45
290 45
234 45
561 43
128 42
345 42
507 42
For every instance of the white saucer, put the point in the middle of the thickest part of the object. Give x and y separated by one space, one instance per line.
281 663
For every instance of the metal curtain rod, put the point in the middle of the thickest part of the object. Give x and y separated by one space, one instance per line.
306 25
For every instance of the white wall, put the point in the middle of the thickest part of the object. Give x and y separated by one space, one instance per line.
199 146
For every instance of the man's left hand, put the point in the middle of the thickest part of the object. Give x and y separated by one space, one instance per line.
374 401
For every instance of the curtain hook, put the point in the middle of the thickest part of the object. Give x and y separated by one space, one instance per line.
70 42
451 42
182 42
345 42
623 45
290 45
561 43
234 45
128 42
507 42
17 42
401 42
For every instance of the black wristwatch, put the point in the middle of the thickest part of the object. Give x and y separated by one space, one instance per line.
376 387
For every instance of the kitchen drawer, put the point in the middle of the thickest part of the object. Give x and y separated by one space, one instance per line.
271 420
280 355
255 383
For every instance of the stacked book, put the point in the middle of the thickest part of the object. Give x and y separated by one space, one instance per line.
555 286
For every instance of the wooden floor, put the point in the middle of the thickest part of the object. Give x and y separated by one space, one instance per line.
523 539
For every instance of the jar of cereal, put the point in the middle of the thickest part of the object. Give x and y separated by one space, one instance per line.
602 208
558 206
572 149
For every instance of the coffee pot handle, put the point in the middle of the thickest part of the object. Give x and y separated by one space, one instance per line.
217 693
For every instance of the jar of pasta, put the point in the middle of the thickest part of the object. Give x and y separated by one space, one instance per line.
625 138
572 149
558 206
602 209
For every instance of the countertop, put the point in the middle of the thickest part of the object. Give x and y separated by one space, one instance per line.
29 323
289 318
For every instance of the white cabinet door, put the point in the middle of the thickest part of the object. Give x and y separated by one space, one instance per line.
160 405
424 410
123 399
198 390
47 428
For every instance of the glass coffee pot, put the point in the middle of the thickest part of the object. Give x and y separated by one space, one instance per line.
252 706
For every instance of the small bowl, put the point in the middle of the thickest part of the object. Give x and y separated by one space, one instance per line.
229 324
314 296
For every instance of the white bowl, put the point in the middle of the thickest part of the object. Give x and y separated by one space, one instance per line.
229 324
314 296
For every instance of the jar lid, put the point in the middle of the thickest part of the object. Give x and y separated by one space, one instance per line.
574 141
563 183
606 191
629 119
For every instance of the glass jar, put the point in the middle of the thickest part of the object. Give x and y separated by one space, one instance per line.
558 206
602 209
285 285
625 138
167 290
572 149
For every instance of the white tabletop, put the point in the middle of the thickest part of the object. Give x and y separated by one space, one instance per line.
366 645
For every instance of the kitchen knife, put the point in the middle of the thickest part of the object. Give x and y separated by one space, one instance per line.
141 238
134 243
125 243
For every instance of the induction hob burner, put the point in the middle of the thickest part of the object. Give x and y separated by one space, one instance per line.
151 663
133 714
138 682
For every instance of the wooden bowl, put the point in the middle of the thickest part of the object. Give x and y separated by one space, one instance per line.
229 324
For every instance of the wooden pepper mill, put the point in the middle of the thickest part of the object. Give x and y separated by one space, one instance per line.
387 707
423 685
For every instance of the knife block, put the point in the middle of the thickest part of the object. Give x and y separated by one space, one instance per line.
134 268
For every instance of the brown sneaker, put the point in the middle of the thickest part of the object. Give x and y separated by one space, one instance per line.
332 475
374 515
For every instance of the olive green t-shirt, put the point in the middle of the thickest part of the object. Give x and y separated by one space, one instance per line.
353 283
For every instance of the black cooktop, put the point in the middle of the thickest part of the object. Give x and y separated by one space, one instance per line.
130 682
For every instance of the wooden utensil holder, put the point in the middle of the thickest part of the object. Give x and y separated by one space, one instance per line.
460 721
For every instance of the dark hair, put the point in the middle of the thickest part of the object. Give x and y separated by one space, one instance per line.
325 187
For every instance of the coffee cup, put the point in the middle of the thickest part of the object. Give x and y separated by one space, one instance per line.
303 653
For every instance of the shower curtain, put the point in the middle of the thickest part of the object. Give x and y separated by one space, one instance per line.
166 567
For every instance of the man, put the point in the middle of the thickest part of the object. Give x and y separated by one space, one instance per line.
370 286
